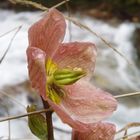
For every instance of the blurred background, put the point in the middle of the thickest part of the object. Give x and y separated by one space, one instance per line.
118 22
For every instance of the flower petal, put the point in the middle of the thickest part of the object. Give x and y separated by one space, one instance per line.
48 33
76 54
66 118
84 104
36 65
100 131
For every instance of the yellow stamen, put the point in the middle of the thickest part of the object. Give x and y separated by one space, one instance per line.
57 78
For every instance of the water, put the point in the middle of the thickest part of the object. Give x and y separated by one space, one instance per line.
112 72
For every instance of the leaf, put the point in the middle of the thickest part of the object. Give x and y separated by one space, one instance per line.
37 124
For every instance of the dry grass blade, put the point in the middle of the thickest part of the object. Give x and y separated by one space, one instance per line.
10 44
130 135
9 31
134 124
61 3
9 124
97 35
12 99
17 139
69 22
36 5
41 7
55 6
27 2
127 95
27 114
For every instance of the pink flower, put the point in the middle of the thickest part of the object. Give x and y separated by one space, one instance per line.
56 70
99 131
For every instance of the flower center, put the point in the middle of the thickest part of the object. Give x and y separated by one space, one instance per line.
57 78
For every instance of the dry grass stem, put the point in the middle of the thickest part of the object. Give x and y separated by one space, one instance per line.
130 125
18 139
41 7
27 114
97 35
127 95
10 43
27 2
130 135
61 3
12 99
125 129
47 110
37 5
10 31
69 22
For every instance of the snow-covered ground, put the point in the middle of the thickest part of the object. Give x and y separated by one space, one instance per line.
111 66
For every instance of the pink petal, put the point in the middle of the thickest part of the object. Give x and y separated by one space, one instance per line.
48 33
66 118
100 131
84 104
76 54
88 104
36 65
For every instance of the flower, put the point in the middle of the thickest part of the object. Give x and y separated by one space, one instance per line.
99 131
57 71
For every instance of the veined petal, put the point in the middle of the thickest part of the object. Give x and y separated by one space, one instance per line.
48 33
83 104
100 131
86 103
76 54
36 65
66 118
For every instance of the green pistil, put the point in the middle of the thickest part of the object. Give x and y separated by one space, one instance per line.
58 78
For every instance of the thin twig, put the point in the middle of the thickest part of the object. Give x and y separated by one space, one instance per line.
69 22
129 135
127 95
18 139
134 124
97 35
27 114
18 29
41 111
77 23
48 110
37 5
27 2
12 99
9 124
9 31
55 6
61 3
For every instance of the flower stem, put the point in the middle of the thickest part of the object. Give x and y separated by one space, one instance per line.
49 121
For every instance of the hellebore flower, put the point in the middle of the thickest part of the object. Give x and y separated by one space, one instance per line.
99 131
59 71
